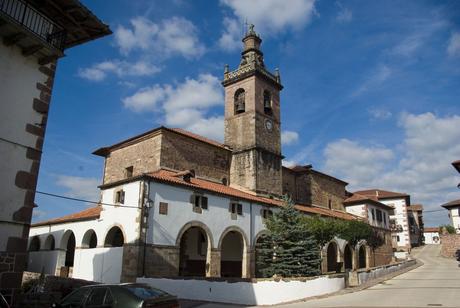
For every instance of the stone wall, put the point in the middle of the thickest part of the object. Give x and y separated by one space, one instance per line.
161 261
450 245
143 156
382 255
181 153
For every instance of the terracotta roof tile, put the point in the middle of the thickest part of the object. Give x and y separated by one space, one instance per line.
431 229
358 198
197 137
415 207
454 203
88 214
197 183
381 194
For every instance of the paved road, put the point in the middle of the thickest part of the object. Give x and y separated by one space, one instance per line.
435 284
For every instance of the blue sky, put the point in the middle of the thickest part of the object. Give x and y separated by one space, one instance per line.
372 89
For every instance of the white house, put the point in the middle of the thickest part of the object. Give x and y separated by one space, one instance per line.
34 35
453 208
375 212
431 235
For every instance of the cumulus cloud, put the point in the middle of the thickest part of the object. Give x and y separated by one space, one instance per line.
269 17
79 187
38 214
344 14
120 68
172 36
289 137
184 105
423 168
453 48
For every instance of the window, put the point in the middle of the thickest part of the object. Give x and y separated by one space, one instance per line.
411 221
379 215
199 203
239 101
120 196
329 204
267 102
373 214
76 298
129 171
266 213
236 208
163 209
458 213
96 297
397 238
385 219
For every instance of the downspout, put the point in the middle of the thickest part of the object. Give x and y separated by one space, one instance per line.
147 205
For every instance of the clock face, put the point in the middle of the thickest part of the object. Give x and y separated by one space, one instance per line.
268 125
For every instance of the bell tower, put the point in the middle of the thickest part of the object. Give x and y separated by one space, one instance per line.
252 121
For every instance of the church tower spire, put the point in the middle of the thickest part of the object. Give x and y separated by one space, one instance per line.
252 121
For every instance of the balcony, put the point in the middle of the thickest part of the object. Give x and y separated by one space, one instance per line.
31 30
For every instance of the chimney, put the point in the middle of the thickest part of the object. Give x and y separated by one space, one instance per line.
188 174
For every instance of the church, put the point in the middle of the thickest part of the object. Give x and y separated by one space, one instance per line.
177 204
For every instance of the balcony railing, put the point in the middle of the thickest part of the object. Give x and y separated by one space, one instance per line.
25 15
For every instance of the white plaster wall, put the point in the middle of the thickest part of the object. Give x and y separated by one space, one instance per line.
98 264
164 229
430 237
400 214
267 292
385 223
455 218
18 78
357 209
45 260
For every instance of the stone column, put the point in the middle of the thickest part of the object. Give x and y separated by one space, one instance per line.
213 263
248 263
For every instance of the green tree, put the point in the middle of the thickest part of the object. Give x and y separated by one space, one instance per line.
450 229
323 229
288 250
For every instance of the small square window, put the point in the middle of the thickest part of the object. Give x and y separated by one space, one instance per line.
120 196
379 215
129 171
236 208
199 203
373 214
266 213
163 209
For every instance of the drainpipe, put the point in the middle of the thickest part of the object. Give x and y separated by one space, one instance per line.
147 205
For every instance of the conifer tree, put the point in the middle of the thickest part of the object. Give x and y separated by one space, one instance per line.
288 250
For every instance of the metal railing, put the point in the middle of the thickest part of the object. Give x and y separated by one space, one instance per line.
27 16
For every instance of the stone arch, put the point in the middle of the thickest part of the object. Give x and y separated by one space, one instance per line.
49 243
34 244
67 246
239 101
267 96
258 236
362 255
255 269
194 257
233 247
348 257
332 255
115 237
89 239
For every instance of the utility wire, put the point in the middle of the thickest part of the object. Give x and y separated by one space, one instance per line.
86 201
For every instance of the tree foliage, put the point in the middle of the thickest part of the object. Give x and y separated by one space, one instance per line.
449 229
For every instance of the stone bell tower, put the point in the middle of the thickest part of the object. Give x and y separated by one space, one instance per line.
252 121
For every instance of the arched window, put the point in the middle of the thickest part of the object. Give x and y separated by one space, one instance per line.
267 102
114 238
34 244
49 243
89 239
239 101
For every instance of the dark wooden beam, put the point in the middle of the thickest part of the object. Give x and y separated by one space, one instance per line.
46 60
13 38
28 51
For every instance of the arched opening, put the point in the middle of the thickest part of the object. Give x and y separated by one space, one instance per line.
362 257
34 244
70 251
193 252
239 102
49 243
89 239
348 257
262 260
267 102
332 257
231 255
114 238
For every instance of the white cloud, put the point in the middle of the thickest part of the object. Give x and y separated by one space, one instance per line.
269 17
80 187
375 79
289 137
344 14
380 113
120 68
184 105
172 36
289 163
38 214
423 168
453 48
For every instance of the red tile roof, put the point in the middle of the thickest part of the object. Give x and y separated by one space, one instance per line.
88 214
171 177
415 207
358 198
454 203
431 229
382 194
310 169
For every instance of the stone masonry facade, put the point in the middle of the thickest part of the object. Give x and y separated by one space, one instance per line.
450 245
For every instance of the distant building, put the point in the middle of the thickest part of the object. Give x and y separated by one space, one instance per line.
453 208
431 235
34 34
415 217
178 204
398 221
